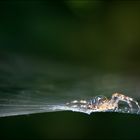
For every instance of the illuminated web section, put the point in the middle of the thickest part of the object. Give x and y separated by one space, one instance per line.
32 86
120 104
21 105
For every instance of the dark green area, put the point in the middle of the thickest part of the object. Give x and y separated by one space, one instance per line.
69 125
103 34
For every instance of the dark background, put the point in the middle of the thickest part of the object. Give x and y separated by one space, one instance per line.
69 125
101 35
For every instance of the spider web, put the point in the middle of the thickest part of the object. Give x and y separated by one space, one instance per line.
32 86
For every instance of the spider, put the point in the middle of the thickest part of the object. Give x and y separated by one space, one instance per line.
101 103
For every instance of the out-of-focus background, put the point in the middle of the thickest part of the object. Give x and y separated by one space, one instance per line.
103 34
54 47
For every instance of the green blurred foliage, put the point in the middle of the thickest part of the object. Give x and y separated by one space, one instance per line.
105 34
69 125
